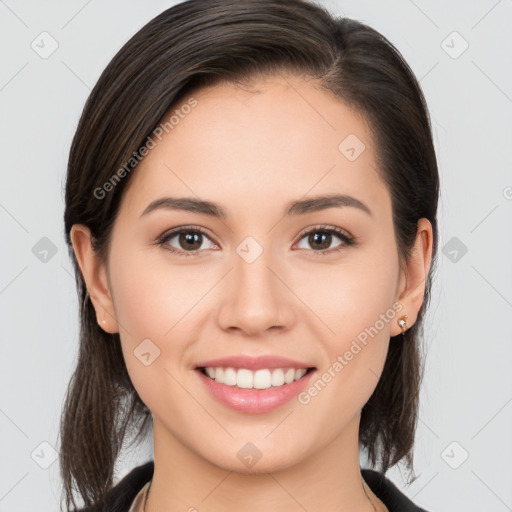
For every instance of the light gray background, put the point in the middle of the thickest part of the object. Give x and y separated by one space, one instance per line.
467 392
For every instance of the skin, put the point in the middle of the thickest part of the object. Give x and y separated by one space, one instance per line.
252 150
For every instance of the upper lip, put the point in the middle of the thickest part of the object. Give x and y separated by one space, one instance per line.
254 362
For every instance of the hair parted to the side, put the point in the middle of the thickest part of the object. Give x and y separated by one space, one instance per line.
198 43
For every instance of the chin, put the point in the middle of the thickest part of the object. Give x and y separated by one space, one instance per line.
251 461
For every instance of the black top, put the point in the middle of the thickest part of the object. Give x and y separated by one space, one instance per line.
121 496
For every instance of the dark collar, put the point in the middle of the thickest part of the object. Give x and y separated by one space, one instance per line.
388 493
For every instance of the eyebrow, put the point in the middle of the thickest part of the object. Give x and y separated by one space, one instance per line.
300 207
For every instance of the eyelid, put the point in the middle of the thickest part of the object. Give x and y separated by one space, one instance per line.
178 229
347 239
325 227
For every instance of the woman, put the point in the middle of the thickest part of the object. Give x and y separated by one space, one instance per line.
251 211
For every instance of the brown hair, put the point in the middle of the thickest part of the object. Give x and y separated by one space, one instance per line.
195 44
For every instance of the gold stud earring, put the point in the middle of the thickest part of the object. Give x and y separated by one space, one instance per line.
402 323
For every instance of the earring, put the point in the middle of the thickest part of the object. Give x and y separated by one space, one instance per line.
103 321
402 323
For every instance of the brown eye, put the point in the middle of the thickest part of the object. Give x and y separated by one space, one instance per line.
185 241
190 240
320 240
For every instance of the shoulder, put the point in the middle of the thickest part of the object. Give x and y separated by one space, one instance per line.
120 497
388 493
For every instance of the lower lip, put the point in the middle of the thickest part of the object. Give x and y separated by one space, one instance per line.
254 400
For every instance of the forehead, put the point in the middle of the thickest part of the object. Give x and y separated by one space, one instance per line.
275 139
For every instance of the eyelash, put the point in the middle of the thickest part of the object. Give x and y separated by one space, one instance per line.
342 234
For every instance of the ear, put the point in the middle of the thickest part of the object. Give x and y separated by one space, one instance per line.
95 277
411 289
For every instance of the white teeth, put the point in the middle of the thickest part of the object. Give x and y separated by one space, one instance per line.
259 379
230 377
262 379
289 376
219 374
300 373
244 378
277 377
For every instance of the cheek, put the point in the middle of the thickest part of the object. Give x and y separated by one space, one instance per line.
149 308
151 305
153 296
354 301
350 296
161 308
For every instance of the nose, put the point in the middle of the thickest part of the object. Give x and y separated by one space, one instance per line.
255 298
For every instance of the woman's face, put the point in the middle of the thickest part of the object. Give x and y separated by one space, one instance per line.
254 283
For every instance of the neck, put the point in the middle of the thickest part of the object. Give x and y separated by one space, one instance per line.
329 480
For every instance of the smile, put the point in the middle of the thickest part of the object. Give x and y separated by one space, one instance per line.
254 391
260 379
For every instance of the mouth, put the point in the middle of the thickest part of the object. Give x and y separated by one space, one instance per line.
256 390
263 378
